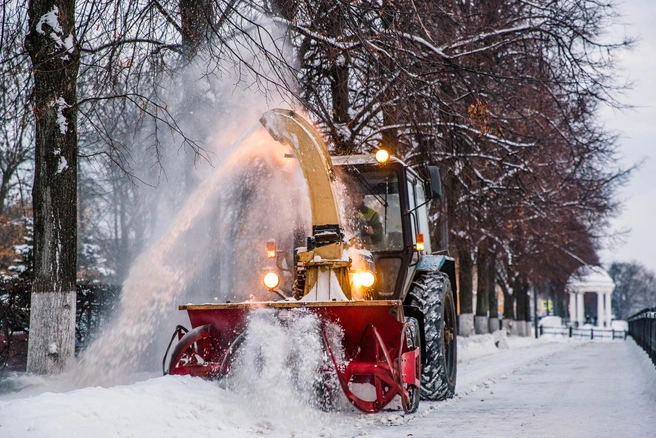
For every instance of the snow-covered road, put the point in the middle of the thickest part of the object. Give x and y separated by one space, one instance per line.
588 389
535 388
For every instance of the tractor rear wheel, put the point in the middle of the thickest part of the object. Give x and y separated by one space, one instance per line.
431 293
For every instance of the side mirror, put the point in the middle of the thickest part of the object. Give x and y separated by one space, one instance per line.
435 189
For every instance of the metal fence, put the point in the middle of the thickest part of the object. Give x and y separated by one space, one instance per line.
95 304
642 328
584 333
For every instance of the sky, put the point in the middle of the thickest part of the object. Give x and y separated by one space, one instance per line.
638 137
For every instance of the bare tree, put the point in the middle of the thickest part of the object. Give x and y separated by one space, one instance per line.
635 288
16 117
55 59
502 94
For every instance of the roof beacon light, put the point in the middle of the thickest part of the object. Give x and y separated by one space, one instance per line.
382 156
271 249
420 242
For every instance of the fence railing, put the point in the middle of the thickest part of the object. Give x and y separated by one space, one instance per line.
584 333
642 328
95 303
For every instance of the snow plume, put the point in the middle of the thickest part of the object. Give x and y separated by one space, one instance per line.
283 370
207 235
209 244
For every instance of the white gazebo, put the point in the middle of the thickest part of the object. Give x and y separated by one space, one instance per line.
590 279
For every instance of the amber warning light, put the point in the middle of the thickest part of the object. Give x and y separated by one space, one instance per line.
271 249
420 242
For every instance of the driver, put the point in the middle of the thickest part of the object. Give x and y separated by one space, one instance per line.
366 220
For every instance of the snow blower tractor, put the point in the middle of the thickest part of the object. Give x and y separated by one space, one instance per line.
392 298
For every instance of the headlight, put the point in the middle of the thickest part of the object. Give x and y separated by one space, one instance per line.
271 280
364 279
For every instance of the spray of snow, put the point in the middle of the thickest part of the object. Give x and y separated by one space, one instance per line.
283 370
161 276
209 247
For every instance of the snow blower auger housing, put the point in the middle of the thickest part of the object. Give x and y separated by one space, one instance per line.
390 296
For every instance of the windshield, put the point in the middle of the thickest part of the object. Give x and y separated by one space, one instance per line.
374 213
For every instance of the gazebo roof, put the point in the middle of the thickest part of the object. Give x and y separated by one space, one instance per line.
590 278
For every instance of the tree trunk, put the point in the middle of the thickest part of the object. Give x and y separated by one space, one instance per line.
339 73
482 288
465 280
523 302
508 298
4 188
481 320
492 298
465 291
196 19
55 63
509 323
390 135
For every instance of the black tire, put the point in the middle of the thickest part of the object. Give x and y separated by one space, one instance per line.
431 293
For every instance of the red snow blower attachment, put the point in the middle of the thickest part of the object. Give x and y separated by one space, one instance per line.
379 349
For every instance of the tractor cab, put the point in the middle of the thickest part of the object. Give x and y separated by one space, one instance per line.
400 198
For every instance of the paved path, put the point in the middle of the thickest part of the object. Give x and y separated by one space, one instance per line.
588 389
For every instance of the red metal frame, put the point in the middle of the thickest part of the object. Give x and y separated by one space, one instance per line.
374 344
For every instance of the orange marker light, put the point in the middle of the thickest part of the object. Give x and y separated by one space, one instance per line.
271 249
420 242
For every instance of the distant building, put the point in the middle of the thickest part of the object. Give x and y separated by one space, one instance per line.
590 289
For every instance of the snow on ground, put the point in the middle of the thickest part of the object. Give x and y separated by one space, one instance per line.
582 389
547 387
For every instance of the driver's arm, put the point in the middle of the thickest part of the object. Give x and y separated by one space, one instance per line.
376 227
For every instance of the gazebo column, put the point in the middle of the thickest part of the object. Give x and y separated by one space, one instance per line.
601 316
580 315
572 308
609 312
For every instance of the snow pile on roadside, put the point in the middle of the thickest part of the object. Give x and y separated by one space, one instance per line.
150 408
646 366
475 346
472 347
